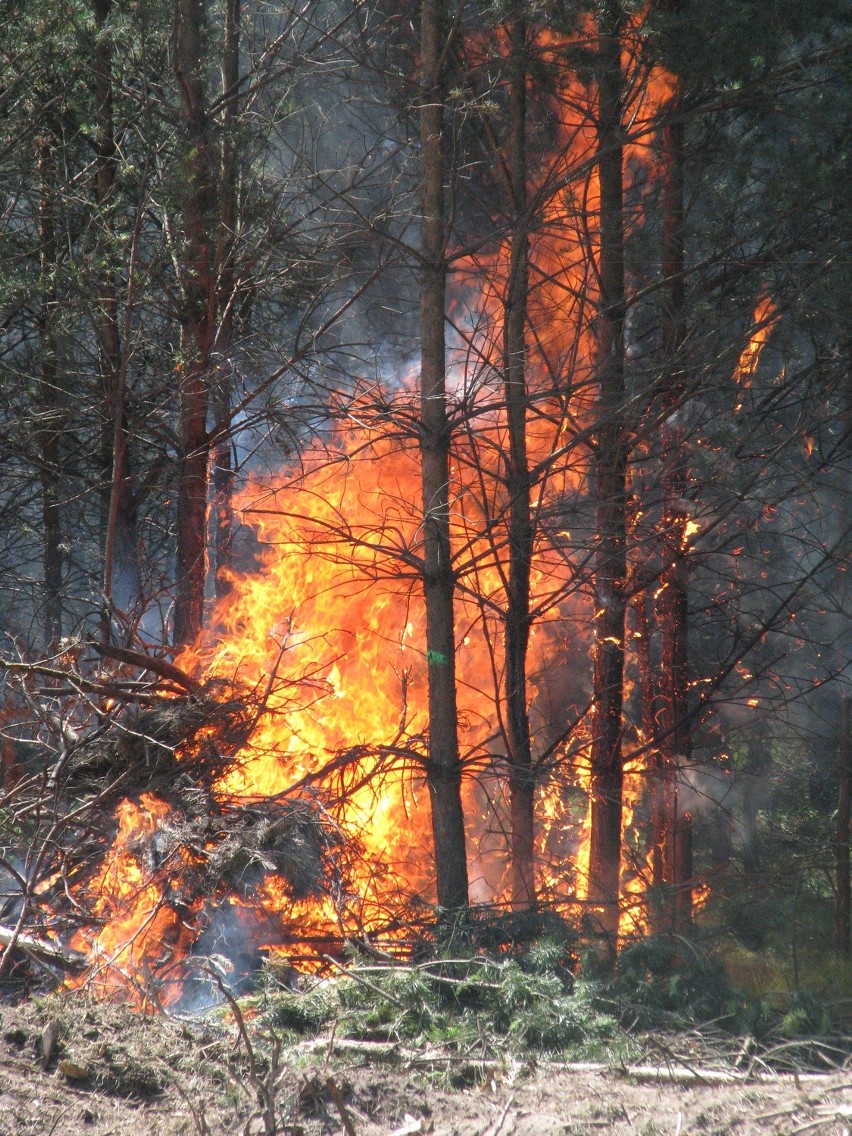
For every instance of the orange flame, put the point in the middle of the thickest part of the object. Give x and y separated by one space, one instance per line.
141 932
763 323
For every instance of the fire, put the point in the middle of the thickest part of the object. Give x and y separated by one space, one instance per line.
763 323
701 893
140 931
328 625
636 869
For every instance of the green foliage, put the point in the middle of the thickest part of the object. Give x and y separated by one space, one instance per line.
664 982
774 904
669 983
298 1013
482 1006
812 990
475 1004
521 982
805 1016
752 918
529 935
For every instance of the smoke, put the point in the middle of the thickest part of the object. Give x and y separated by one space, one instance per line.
228 947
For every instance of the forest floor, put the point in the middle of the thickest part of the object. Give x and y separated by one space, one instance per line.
71 1067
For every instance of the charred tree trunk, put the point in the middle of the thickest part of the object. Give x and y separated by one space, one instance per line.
844 835
610 563
672 601
683 872
517 633
649 701
198 288
443 774
223 457
120 543
51 410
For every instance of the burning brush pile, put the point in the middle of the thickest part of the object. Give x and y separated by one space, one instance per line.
122 856
263 796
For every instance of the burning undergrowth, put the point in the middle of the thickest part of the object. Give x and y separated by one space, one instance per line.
137 859
162 747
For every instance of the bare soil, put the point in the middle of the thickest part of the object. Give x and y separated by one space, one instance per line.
71 1067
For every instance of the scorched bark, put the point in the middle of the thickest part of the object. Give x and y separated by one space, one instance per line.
51 416
669 867
517 620
121 572
223 458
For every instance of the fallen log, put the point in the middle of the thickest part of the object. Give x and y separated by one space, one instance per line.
42 950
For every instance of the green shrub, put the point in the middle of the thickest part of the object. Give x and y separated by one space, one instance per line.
479 1001
302 1012
804 1016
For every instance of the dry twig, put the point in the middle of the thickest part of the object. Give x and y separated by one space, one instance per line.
334 1093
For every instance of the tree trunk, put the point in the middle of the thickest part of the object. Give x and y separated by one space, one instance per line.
682 872
517 620
658 899
844 809
443 773
198 289
51 411
223 458
610 564
120 543
672 595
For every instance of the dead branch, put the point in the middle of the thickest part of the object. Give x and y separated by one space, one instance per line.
394 1053
42 950
152 663
76 683
335 1094
494 1129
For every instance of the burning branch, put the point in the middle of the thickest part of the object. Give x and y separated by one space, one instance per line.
128 835
156 665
